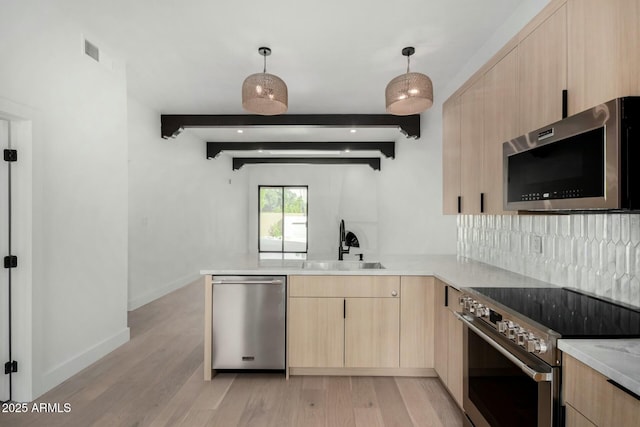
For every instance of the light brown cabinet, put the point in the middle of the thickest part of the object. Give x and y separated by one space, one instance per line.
316 332
603 54
471 147
601 403
587 47
475 125
454 368
542 68
381 323
449 336
463 151
574 418
371 332
451 156
344 321
441 354
500 125
417 321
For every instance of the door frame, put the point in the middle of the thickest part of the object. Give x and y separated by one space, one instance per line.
21 132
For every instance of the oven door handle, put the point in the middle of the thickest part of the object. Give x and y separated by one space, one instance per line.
532 373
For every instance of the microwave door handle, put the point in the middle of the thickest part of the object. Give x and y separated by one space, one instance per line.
531 373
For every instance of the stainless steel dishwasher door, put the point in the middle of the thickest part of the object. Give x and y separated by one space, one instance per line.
248 322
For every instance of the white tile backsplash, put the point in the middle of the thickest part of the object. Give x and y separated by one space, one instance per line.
598 253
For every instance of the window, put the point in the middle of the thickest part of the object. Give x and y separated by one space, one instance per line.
282 222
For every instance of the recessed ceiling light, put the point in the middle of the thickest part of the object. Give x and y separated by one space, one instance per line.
353 131
239 131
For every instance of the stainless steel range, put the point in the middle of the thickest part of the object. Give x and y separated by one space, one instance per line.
511 360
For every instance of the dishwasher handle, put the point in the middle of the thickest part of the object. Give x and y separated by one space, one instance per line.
248 282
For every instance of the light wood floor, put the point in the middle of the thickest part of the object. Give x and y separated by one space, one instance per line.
156 380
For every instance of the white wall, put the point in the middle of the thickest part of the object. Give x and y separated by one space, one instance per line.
184 210
335 192
79 183
397 210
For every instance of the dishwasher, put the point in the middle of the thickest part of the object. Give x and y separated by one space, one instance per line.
248 323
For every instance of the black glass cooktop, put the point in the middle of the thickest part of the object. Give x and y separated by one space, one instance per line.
569 313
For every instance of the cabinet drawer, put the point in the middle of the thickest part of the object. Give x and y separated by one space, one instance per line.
601 402
344 286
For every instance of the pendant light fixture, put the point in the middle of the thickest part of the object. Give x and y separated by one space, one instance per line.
409 93
263 93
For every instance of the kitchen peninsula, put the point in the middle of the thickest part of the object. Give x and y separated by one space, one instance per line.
404 307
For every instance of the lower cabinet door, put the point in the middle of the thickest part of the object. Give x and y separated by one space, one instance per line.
454 368
441 356
372 331
316 332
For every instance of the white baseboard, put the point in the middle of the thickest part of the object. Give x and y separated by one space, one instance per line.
67 369
139 301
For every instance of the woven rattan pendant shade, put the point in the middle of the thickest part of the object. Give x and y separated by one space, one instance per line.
263 93
409 93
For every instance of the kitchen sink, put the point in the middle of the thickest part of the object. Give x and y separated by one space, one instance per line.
341 265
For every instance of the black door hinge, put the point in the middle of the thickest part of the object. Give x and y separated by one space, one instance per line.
10 261
10 155
10 367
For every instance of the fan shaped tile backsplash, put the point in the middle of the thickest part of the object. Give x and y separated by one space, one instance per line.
597 253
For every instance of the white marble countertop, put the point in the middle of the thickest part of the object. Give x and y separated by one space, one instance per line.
617 359
455 271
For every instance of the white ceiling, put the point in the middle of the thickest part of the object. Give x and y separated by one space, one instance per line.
336 56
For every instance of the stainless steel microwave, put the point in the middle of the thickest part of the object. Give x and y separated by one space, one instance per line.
589 161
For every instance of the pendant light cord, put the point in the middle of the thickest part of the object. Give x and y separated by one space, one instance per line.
264 57
408 61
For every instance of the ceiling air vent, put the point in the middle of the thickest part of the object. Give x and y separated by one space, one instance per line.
91 50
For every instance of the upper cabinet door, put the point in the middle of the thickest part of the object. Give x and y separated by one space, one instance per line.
450 155
604 51
471 147
542 66
500 125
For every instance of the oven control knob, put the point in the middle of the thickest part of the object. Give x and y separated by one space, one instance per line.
503 325
524 338
473 306
543 347
479 310
512 332
507 324
535 345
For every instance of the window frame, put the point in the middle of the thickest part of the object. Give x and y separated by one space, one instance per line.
283 187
